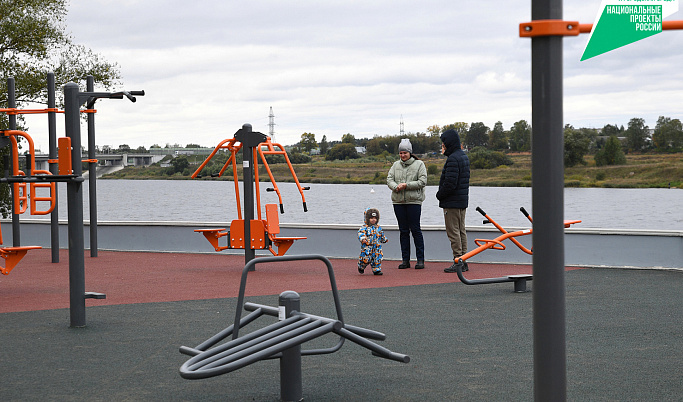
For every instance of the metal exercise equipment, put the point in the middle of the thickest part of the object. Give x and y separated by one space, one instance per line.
497 244
70 172
281 340
257 234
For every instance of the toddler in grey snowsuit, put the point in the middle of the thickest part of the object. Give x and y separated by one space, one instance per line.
371 237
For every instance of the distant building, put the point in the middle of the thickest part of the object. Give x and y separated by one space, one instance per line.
361 150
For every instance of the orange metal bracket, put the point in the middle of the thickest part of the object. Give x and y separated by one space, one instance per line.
548 28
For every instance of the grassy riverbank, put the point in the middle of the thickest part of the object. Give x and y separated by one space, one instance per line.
640 171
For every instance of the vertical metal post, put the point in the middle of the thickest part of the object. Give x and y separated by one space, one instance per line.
12 103
250 140
54 168
92 172
74 189
248 184
291 388
550 375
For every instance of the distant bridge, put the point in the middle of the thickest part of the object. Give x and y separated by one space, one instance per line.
108 163
107 160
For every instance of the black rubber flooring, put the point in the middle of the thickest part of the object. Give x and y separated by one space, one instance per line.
466 343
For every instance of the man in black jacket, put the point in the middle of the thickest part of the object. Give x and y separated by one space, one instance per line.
453 194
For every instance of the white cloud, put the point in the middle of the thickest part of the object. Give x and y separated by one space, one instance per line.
337 67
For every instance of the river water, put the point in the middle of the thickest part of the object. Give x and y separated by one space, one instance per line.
214 201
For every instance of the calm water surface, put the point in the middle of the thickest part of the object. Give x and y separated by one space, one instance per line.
214 201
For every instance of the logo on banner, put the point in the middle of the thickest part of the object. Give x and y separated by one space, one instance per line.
622 22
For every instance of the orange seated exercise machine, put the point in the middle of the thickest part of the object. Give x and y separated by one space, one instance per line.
497 244
262 233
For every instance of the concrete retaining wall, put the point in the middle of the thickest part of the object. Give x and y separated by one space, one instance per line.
583 247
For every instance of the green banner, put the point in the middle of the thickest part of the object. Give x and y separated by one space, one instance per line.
621 22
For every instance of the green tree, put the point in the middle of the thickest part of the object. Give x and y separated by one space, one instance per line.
636 134
576 144
379 145
461 127
193 146
32 43
324 145
341 152
611 153
498 137
434 130
482 158
477 136
298 157
668 134
179 164
308 141
520 136
610 130
348 139
123 149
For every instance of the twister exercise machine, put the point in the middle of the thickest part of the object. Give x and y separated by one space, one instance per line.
69 171
280 340
497 244
261 232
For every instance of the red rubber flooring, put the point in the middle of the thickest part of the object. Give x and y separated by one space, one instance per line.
134 277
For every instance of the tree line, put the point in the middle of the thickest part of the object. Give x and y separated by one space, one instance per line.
608 144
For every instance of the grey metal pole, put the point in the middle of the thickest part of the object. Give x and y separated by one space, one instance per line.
291 388
12 103
54 168
550 376
92 172
74 189
248 183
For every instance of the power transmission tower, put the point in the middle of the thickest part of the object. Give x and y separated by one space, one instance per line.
402 132
271 125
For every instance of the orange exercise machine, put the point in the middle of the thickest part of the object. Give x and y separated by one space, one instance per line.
497 244
261 232
36 179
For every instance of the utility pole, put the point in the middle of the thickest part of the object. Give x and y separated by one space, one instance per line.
271 125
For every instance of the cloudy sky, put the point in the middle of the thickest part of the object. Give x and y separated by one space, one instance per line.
334 67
